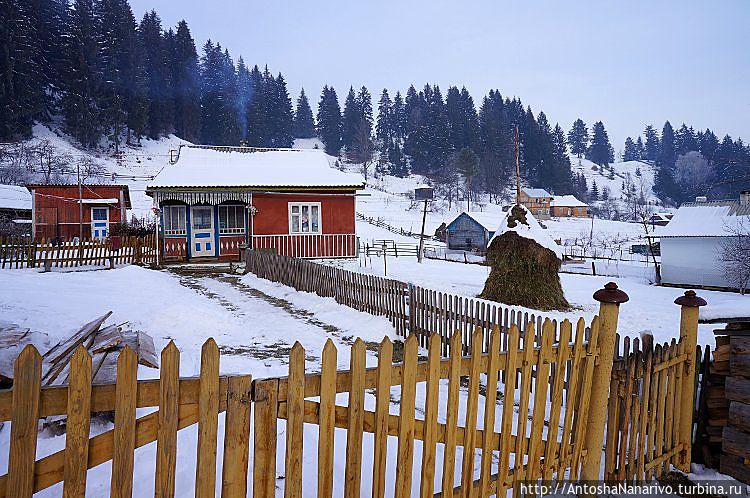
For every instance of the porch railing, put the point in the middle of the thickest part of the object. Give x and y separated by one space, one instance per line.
342 245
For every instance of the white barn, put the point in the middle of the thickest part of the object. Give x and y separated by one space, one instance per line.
692 242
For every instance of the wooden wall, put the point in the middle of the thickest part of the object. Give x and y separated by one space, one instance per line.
337 212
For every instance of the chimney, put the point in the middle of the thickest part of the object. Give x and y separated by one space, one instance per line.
701 198
745 198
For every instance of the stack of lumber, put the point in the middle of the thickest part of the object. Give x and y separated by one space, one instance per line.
104 343
732 360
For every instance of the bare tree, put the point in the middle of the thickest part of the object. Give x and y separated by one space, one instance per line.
363 149
735 254
692 172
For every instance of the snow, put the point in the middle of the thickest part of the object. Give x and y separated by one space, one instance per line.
567 201
710 219
14 197
530 230
536 192
100 201
209 167
489 220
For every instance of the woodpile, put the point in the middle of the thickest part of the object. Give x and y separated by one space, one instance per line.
103 344
727 401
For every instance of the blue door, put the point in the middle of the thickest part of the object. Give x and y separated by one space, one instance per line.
99 222
203 231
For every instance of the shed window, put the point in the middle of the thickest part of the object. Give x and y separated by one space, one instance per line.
174 220
304 217
232 219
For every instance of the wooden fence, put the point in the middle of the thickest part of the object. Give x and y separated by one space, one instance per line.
410 308
25 252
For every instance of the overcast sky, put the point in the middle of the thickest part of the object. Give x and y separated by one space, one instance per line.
625 63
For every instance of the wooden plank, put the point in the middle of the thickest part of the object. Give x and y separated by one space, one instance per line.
653 404
295 422
327 420
382 404
557 394
451 416
739 356
506 426
23 430
265 395
427 483
467 473
643 422
237 437
582 413
353 473
77 425
490 409
405 455
523 405
208 415
121 484
106 338
166 447
541 387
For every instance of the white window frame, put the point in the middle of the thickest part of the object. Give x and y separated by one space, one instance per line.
174 231
239 208
309 205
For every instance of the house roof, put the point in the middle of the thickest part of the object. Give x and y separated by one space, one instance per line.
567 201
14 197
488 221
87 189
247 167
536 192
706 219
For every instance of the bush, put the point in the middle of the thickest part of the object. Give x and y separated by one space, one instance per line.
134 228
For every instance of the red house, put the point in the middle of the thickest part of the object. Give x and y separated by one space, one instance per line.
57 209
213 200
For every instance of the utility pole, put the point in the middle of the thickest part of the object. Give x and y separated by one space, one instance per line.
518 172
421 234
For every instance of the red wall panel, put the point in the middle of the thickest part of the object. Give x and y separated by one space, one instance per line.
337 212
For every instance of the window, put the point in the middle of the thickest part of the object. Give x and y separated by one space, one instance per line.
174 220
232 219
304 217
99 214
202 218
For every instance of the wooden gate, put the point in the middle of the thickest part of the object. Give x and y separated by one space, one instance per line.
486 447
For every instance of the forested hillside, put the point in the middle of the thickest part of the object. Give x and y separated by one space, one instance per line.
92 71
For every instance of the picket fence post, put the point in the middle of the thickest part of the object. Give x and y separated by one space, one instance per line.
689 306
609 299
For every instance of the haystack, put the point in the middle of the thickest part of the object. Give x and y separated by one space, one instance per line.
524 263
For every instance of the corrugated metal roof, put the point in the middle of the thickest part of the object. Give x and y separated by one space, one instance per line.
706 219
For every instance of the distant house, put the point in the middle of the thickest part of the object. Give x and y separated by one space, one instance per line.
568 206
692 242
660 219
57 209
471 231
15 209
214 200
537 200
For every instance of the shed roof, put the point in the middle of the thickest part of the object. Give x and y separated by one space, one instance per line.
89 190
536 192
248 167
14 197
488 221
706 219
567 201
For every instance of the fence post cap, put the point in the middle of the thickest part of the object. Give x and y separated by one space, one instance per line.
690 300
611 294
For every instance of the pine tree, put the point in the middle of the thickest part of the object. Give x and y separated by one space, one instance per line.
640 150
578 138
304 124
399 116
600 151
708 145
664 183
329 121
211 93
561 182
350 119
156 74
685 140
282 116
594 194
82 77
384 131
229 117
258 119
186 71
652 144
496 143
630 153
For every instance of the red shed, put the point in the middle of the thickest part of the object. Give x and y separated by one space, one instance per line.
56 209
212 200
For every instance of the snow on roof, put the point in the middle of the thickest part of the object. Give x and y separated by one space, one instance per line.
536 192
567 201
100 201
14 197
532 231
706 219
202 166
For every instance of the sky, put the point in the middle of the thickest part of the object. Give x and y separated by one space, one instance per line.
627 64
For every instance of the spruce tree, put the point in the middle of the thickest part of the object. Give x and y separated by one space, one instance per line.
600 151
350 119
399 116
186 70
258 119
652 144
229 117
578 138
562 182
384 131
154 55
282 115
708 145
304 124
211 93
329 121
664 183
640 149
630 153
